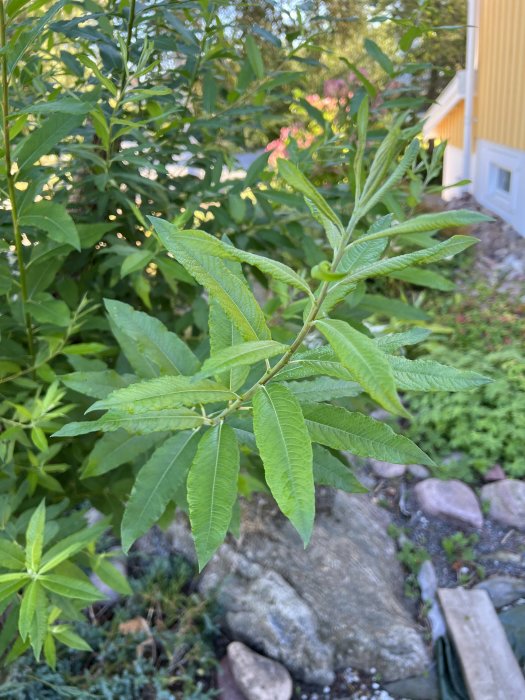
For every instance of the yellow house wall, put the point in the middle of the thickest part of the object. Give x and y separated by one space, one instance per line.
450 128
500 112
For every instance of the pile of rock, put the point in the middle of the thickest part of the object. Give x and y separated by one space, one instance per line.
337 604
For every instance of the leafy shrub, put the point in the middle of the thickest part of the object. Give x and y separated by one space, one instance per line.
131 283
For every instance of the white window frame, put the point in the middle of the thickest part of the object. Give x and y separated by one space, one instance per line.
500 158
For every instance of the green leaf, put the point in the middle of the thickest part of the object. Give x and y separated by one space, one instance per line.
406 41
379 56
312 363
32 621
255 57
50 651
239 355
54 219
330 471
147 422
205 244
447 248
115 449
10 584
333 231
233 294
11 556
424 278
96 384
164 392
354 258
42 139
361 254
156 485
395 341
212 489
365 361
340 429
44 309
375 189
427 375
71 545
286 452
224 334
136 261
69 587
30 601
66 105
147 344
318 205
35 537
71 639
309 391
430 222
112 577
382 306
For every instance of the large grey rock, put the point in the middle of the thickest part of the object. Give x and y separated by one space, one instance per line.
338 603
258 678
503 590
452 500
265 611
507 502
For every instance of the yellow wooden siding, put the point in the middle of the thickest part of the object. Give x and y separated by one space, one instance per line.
450 128
500 112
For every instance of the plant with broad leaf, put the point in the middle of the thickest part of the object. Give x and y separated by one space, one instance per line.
47 584
270 396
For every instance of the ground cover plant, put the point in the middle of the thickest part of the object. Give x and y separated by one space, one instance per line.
483 327
205 310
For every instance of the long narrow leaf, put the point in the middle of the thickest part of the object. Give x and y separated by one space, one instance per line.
212 489
286 451
156 485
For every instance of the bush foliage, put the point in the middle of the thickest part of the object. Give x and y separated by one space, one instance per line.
215 314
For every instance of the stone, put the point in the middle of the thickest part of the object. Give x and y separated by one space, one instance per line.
503 590
385 470
507 502
452 500
428 585
495 473
228 688
258 677
264 610
423 687
418 471
338 603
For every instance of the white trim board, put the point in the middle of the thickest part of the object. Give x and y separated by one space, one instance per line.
445 103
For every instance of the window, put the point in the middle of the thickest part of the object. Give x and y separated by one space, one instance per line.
503 180
500 182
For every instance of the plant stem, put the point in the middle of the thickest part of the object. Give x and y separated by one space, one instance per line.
307 326
11 183
129 36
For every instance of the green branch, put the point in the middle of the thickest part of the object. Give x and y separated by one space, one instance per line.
11 181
